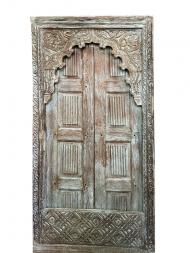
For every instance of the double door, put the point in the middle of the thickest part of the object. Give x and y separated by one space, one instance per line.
93 136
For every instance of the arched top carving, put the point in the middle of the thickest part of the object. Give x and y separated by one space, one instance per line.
58 43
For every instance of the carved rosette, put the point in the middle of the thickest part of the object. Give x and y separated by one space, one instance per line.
124 43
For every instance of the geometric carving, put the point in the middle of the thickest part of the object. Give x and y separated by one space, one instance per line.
92 227
125 44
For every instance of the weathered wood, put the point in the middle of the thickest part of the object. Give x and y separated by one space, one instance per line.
69 85
88 126
118 134
70 183
51 153
118 185
84 249
92 227
100 125
69 134
93 141
136 157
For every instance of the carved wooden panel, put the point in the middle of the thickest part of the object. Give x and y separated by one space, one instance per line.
69 110
93 228
117 112
118 167
93 134
70 158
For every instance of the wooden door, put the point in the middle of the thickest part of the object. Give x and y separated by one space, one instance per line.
117 137
70 118
93 136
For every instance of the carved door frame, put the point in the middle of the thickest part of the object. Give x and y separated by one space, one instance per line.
130 39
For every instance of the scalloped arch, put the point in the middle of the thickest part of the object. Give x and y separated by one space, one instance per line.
125 44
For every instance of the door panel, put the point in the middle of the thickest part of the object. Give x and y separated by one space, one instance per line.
70 135
72 131
93 135
117 126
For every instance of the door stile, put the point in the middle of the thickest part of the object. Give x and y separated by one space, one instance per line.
88 127
136 162
100 126
52 152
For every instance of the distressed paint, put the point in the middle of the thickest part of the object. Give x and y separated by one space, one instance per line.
140 139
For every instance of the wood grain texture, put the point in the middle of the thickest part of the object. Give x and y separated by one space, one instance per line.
40 248
69 134
101 68
88 126
51 153
139 136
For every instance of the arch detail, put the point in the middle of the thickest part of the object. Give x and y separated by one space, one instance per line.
125 44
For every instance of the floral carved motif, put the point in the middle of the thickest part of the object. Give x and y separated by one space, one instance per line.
125 44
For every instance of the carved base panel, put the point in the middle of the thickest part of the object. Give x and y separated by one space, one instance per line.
84 249
93 227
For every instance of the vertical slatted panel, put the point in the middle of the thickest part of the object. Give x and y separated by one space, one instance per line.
70 199
70 158
115 69
117 109
119 160
71 67
69 110
119 202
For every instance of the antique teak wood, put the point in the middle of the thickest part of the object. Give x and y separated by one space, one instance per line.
93 135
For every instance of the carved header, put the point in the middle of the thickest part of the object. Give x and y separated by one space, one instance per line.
58 43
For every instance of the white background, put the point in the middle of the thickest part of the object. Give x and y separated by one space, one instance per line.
172 114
